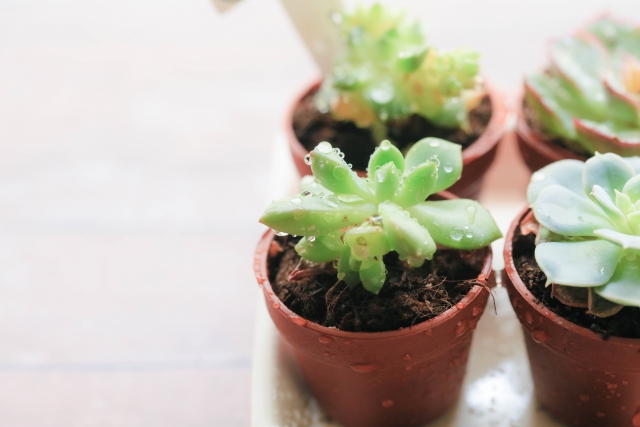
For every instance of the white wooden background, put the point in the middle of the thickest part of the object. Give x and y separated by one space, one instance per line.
135 142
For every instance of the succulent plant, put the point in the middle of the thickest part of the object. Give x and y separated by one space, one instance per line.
590 94
588 242
387 71
353 222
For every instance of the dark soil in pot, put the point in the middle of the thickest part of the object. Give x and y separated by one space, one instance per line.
409 296
624 324
312 127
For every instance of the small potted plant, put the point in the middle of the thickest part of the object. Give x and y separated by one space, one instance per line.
388 84
588 98
380 294
573 275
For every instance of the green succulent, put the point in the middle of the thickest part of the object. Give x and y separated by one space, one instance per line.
589 235
590 94
387 71
354 221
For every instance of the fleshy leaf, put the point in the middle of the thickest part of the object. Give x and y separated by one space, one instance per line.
588 263
606 203
385 153
608 171
624 287
345 272
632 188
546 98
373 274
334 174
623 106
458 224
412 242
314 215
449 157
308 183
626 241
580 62
386 180
367 241
634 162
607 136
316 250
564 212
623 202
567 173
417 185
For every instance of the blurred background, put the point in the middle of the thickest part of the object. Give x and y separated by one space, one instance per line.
135 158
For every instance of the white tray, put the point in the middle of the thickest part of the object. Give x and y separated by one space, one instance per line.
497 392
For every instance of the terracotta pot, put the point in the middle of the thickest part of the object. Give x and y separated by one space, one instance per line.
537 151
476 158
581 379
398 378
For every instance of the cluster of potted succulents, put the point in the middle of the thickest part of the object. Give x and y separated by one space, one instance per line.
587 99
377 277
389 84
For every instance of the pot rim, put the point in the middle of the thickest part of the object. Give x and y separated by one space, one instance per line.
537 142
559 321
495 131
262 276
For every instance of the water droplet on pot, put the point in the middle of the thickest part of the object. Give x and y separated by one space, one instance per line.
299 320
460 328
348 341
406 357
540 336
476 311
326 354
363 368
428 332
584 397
276 305
456 234
459 306
307 159
625 382
324 147
325 339
612 386
387 403
528 318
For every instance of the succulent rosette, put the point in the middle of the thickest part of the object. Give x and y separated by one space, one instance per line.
588 241
590 93
350 222
388 71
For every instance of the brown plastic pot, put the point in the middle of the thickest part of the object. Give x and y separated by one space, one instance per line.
476 158
581 379
398 378
537 151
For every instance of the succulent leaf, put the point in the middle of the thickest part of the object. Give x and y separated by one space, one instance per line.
373 274
386 180
447 154
367 241
623 287
406 236
387 153
564 212
315 250
584 264
567 173
460 224
609 171
417 185
334 173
